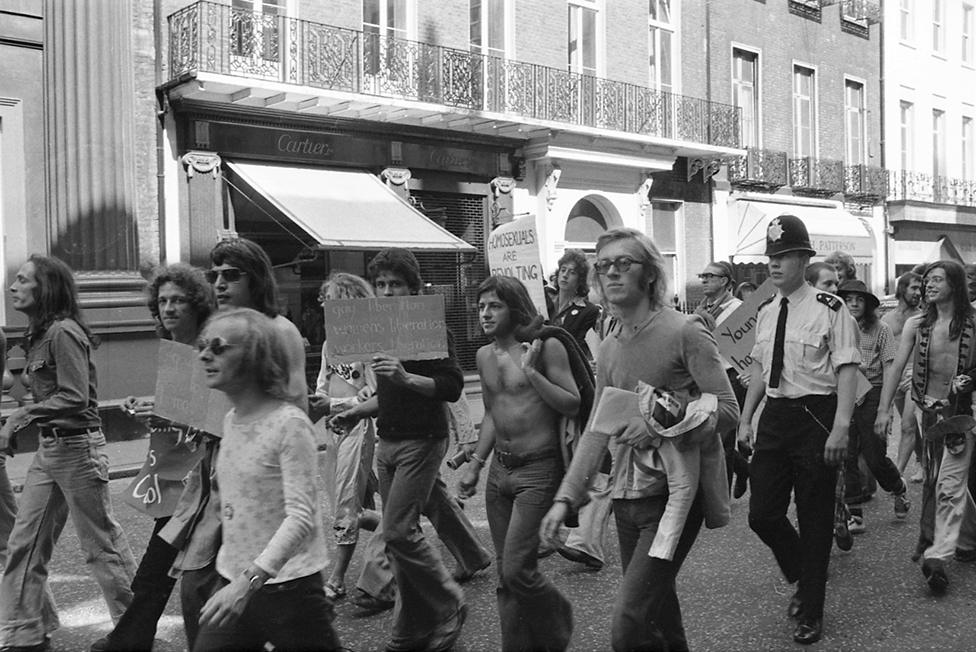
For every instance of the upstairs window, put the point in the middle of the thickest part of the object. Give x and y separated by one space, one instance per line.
906 17
906 126
661 42
968 33
968 149
489 20
745 93
938 26
938 143
855 122
583 46
804 112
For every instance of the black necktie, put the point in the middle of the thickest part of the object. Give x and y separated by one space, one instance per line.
777 368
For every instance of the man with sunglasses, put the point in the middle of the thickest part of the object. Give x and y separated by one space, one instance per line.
242 277
806 357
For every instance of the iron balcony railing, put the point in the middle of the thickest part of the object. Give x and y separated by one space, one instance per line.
918 186
817 175
759 168
216 38
865 182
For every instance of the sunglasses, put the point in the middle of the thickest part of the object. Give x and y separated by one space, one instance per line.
217 345
708 276
229 274
620 263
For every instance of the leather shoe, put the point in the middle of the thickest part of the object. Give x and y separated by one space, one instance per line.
808 630
580 557
920 549
795 610
369 603
935 575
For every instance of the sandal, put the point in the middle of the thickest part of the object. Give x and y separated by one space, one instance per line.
334 591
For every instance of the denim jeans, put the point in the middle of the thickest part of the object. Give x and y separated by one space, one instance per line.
534 615
426 593
955 512
646 613
196 587
294 615
789 458
864 443
69 475
151 588
454 530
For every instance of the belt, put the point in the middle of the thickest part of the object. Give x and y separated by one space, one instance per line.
514 460
800 401
54 431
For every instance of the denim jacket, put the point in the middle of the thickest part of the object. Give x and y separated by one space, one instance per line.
61 375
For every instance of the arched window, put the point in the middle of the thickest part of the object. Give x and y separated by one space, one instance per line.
585 223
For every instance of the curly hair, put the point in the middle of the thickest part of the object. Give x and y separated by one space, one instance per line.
249 257
191 280
846 263
962 309
265 358
577 259
399 261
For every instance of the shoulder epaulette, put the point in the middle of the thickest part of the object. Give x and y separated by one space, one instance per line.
829 300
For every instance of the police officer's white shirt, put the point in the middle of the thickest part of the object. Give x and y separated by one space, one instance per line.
819 340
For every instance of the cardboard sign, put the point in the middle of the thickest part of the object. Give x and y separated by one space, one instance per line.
409 328
737 334
513 250
182 395
172 455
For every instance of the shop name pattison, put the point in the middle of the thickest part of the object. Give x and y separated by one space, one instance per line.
293 145
513 238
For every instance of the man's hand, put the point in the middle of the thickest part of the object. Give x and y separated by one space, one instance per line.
344 421
226 605
468 484
744 379
881 423
962 384
637 435
139 408
746 437
390 368
530 354
549 529
835 450
318 406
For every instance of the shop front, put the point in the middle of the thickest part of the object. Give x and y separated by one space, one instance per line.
321 200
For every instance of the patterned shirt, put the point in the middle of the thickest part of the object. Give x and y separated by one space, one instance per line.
269 505
877 348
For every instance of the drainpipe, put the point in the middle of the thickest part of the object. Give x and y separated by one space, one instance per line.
884 161
708 98
160 140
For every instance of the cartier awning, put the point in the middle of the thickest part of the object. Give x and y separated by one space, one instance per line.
831 229
345 209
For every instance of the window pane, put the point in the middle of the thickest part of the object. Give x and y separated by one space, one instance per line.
666 63
474 19
396 17
664 231
589 41
371 12
573 36
496 25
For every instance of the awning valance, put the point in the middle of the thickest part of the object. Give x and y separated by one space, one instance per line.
831 229
346 209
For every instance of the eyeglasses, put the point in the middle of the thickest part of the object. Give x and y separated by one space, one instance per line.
230 274
217 345
321 299
620 263
708 276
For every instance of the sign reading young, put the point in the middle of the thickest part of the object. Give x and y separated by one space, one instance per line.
737 334
513 250
409 328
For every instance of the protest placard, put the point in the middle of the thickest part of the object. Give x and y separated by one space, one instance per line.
513 250
737 334
409 328
182 395
159 483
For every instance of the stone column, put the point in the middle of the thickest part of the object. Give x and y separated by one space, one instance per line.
204 224
88 107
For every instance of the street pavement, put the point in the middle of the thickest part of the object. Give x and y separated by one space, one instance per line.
732 595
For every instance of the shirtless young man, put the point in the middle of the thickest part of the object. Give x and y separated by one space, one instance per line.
908 292
940 343
527 389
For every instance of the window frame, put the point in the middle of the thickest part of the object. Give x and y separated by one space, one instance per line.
654 29
939 142
599 28
756 90
938 27
813 140
968 141
508 26
906 129
862 121
906 21
967 36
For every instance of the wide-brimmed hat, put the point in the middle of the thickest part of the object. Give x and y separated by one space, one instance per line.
854 286
787 233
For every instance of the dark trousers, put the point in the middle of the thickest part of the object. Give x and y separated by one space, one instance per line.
293 615
534 615
646 613
151 588
196 587
789 458
864 443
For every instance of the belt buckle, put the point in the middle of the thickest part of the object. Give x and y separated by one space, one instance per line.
504 458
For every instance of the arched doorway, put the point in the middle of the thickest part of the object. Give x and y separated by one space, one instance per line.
589 217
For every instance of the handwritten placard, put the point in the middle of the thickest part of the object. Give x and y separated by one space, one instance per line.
513 250
173 453
737 334
182 395
409 328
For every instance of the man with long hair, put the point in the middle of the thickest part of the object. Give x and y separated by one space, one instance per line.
940 343
69 473
908 293
527 389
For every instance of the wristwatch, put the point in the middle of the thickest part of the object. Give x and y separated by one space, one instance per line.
254 582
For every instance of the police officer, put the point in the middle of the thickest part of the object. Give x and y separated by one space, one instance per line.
807 357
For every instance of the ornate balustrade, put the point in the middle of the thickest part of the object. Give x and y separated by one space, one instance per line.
918 186
215 38
865 183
